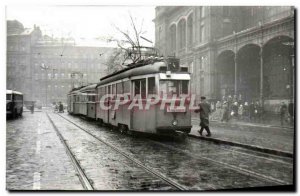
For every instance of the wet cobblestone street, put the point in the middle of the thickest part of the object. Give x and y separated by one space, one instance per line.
36 159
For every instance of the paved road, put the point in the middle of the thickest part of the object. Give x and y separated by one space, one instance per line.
36 159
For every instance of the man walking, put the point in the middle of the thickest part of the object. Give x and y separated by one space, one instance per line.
204 109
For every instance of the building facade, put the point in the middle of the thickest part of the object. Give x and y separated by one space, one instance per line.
19 45
46 69
243 51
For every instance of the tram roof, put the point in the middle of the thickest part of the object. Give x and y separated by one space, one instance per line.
89 87
83 88
13 92
135 71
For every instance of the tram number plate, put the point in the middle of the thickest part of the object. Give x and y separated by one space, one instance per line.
176 109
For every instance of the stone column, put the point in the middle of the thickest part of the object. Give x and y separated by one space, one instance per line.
261 90
235 73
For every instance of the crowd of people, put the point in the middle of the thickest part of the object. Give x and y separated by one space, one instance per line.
58 107
234 107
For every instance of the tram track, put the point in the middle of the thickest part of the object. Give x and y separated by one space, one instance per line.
237 169
82 175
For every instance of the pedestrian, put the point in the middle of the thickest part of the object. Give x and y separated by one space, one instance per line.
241 112
283 111
234 109
225 115
56 107
246 110
32 108
219 110
235 98
61 107
204 109
240 100
251 110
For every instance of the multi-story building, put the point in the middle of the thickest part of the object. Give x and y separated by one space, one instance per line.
19 44
46 69
247 51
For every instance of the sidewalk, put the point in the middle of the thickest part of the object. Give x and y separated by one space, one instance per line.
259 136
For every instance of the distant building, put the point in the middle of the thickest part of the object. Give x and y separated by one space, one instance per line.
46 69
19 45
232 50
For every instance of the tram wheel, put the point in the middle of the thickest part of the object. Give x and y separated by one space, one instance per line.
123 129
100 123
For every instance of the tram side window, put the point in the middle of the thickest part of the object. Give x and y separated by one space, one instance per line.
91 98
184 86
151 86
140 88
143 88
113 89
101 92
127 87
119 88
137 87
108 89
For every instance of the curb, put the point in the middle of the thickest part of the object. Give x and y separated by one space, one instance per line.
255 148
249 125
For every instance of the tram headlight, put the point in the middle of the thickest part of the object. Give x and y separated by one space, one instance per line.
174 122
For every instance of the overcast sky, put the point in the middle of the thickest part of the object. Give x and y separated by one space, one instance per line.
84 23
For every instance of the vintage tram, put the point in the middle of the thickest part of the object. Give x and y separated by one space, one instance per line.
144 97
14 103
82 101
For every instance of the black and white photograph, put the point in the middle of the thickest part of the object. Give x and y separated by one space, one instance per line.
150 98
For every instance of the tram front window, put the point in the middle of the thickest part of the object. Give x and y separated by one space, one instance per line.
173 87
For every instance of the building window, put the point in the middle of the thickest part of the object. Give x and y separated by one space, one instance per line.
190 30
173 39
182 33
201 24
201 38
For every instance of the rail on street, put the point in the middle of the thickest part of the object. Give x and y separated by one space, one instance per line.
147 99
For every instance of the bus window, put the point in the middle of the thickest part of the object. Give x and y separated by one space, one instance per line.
8 97
151 86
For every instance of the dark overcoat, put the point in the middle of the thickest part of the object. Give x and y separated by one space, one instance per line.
204 109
